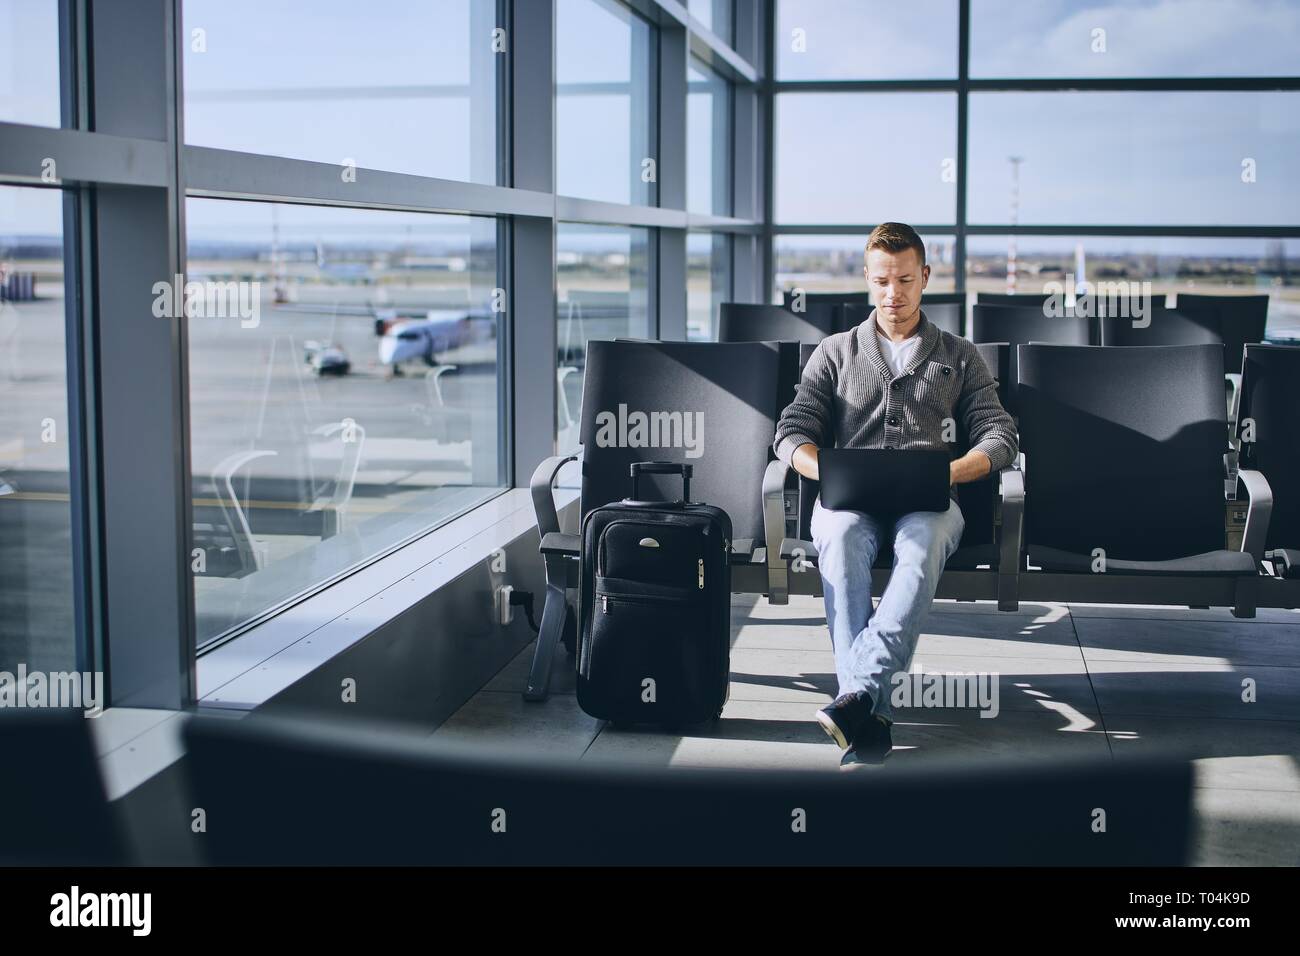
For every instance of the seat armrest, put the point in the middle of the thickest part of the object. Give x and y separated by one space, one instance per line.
540 484
1011 536
778 591
1234 398
1258 511
774 504
565 545
1283 565
1012 491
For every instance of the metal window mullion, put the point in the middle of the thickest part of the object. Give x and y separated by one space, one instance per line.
80 431
767 136
178 240
963 142
531 299
144 497
230 174
1154 231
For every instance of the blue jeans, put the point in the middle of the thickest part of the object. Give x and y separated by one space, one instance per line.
871 647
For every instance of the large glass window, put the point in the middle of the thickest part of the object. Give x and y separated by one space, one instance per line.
708 282
37 627
602 279
1172 264
29 62
387 84
850 158
715 16
604 112
1135 158
708 141
866 40
351 401
1123 38
834 263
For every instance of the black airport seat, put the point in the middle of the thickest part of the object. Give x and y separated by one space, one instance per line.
946 311
1240 319
1268 434
1020 325
743 322
1162 326
945 315
730 390
1026 300
826 308
1102 299
1124 477
997 358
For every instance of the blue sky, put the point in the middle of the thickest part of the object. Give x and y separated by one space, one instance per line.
874 39
274 79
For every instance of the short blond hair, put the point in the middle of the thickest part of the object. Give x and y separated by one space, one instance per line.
895 237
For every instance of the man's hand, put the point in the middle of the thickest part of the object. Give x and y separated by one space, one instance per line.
804 460
969 467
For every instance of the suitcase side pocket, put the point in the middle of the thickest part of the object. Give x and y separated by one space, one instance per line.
640 634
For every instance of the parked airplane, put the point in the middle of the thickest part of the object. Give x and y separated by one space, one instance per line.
441 330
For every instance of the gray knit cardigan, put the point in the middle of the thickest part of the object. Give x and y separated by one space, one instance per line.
848 398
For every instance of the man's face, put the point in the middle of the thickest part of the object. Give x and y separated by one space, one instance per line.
895 280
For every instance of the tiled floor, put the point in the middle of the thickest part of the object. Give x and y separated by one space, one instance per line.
1072 680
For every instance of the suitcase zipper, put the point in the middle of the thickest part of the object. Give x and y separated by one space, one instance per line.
701 573
644 601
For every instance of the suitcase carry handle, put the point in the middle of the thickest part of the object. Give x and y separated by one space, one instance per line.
640 468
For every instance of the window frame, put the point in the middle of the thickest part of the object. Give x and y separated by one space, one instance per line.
122 157
963 85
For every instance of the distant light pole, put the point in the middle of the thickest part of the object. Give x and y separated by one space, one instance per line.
1015 219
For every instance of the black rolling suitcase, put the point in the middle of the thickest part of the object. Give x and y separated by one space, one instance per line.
655 608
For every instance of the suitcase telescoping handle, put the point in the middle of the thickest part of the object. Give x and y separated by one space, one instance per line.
640 468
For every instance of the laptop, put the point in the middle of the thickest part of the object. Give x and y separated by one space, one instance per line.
884 481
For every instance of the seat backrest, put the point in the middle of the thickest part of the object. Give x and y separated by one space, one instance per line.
1162 327
743 322
1022 299
948 316
365 785
805 353
828 298
1019 325
709 404
997 358
827 308
1241 319
1123 449
1107 301
944 315
1270 405
1102 299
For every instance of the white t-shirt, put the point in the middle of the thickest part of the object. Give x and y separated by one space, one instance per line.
897 354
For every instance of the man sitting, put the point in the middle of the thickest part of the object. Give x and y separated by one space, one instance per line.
895 381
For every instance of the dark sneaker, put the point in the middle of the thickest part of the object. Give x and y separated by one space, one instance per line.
840 719
872 743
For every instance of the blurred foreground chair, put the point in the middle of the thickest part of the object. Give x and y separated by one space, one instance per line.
385 797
